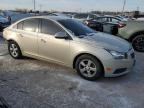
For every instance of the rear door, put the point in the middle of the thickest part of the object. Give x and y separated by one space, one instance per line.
27 34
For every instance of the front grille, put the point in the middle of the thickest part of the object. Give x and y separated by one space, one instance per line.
119 71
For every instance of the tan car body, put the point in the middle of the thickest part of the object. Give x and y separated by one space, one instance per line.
65 52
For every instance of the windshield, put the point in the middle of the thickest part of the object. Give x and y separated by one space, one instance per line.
76 27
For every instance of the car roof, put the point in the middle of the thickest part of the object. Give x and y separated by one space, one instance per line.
84 14
52 17
106 17
109 17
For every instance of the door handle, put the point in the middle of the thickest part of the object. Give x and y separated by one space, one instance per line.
44 41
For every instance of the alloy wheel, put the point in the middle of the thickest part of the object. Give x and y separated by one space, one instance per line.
13 50
138 43
87 68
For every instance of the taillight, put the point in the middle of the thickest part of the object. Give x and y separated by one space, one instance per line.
121 25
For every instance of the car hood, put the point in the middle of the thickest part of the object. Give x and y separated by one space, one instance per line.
106 41
3 20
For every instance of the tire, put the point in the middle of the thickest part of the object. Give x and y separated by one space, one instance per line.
88 67
138 42
114 30
14 50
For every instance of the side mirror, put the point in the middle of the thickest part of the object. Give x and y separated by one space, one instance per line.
61 35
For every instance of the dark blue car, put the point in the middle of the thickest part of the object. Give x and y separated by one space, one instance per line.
4 22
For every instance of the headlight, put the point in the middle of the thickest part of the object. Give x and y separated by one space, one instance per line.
118 55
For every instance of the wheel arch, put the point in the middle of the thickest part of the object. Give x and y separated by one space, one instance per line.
10 40
134 35
75 59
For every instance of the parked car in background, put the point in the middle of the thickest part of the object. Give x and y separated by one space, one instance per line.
96 25
4 22
18 16
109 19
84 16
123 18
69 42
107 24
140 19
59 14
15 16
133 31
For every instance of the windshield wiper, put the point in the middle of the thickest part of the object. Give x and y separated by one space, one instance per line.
90 34
81 36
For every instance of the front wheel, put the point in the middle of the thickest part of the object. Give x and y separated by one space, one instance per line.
89 67
138 43
14 50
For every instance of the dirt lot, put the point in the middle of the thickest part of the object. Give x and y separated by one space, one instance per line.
29 83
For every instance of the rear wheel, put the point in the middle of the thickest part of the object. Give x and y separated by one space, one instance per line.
14 50
88 67
138 43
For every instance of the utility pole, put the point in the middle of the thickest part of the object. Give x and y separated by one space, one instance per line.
40 5
80 9
34 4
123 7
138 8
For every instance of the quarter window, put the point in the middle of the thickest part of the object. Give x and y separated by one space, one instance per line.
49 27
20 25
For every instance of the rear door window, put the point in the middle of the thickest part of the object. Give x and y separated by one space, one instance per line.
102 19
30 25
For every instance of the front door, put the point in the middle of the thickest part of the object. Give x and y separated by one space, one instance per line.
51 48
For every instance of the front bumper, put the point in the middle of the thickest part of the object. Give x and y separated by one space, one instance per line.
120 67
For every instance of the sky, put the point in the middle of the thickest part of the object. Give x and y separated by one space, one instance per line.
74 5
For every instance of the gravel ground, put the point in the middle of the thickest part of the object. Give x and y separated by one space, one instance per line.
30 83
